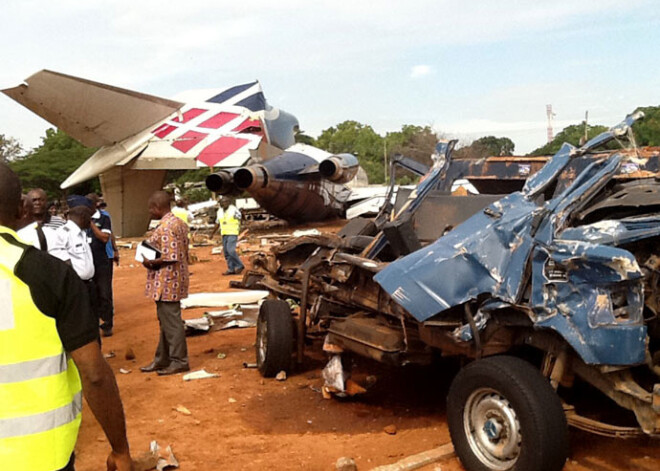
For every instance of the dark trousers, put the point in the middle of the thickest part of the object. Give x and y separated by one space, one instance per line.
103 303
172 348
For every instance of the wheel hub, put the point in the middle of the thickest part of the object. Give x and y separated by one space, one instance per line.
262 341
492 429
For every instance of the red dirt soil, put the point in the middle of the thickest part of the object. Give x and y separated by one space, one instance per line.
241 421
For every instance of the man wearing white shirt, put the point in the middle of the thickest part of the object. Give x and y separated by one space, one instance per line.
72 241
31 231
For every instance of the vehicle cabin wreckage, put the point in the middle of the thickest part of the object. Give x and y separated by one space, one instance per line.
547 279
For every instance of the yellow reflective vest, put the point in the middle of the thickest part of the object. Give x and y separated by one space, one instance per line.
40 388
229 223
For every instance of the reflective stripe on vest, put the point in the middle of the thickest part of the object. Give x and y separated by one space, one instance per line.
43 422
229 225
40 389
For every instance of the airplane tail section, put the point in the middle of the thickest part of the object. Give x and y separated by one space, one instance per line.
93 113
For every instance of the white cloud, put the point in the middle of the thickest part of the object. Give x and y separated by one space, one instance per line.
420 71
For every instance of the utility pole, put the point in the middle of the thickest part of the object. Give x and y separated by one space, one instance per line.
550 115
385 158
586 127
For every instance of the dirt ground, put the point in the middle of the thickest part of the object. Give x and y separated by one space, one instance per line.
241 421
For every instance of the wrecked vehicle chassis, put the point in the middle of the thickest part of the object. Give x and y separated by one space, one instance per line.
545 289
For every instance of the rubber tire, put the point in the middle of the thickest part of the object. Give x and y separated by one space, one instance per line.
275 316
543 425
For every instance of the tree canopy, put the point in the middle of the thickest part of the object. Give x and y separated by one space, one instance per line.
10 149
486 147
647 131
52 162
59 155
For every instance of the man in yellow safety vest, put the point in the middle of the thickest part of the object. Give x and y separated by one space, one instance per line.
49 355
229 221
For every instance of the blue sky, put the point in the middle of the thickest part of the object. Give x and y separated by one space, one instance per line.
466 68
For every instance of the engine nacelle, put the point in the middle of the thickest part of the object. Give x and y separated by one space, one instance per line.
340 168
221 182
251 178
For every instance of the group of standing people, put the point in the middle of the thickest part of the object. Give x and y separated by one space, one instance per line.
84 241
56 301
50 352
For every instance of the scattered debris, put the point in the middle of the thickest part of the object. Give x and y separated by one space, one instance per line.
223 299
222 356
281 376
346 464
335 377
110 354
390 429
231 400
130 354
306 232
199 374
157 458
184 410
198 325
249 365
216 251
353 388
238 323
419 460
225 313
124 371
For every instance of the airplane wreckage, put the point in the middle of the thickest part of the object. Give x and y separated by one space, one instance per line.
142 136
548 283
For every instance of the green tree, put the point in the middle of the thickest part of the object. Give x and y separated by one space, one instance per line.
647 131
573 134
415 142
486 146
360 140
50 164
302 138
10 149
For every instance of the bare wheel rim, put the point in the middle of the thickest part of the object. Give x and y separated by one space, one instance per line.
262 341
492 429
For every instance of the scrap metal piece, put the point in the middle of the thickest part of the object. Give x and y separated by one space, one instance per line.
420 459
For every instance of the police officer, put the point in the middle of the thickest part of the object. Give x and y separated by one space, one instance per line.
49 351
100 233
72 239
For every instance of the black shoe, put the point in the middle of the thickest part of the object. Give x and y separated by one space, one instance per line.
173 369
229 272
239 271
151 367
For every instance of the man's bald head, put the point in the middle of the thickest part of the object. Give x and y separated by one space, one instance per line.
10 197
159 204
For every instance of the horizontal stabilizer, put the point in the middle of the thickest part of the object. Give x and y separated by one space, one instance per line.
93 113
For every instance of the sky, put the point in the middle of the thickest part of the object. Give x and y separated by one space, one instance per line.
466 68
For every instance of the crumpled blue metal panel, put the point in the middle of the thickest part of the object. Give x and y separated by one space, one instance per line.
589 293
485 254
623 231
592 295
